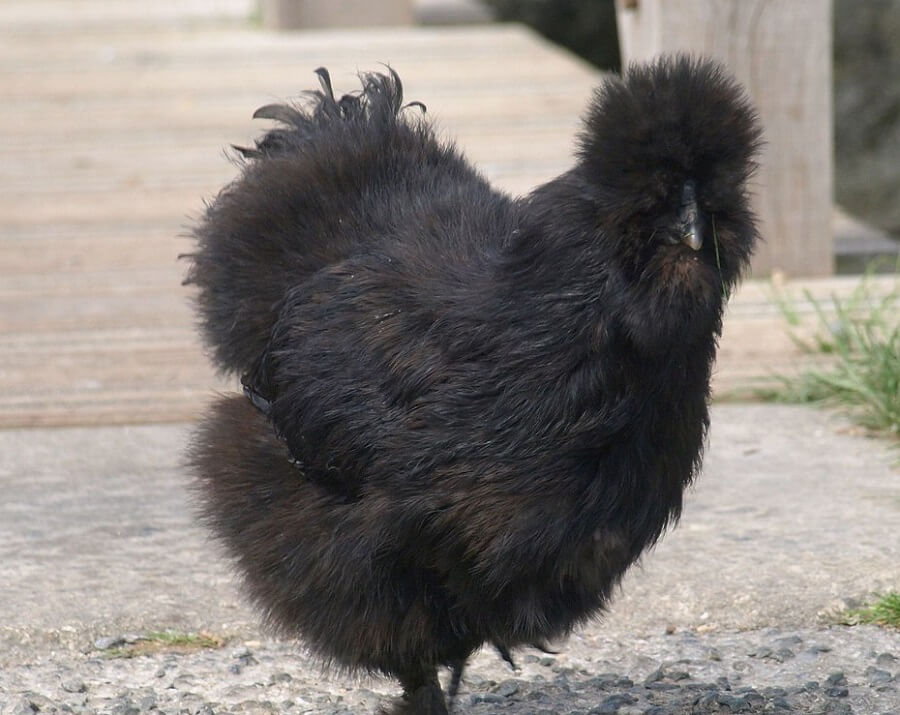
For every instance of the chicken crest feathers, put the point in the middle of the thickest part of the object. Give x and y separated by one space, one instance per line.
679 115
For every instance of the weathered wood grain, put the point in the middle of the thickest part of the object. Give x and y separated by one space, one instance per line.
114 133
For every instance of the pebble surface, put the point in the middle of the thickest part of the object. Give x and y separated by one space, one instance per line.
826 670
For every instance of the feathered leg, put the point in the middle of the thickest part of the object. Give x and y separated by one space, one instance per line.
504 653
456 673
422 695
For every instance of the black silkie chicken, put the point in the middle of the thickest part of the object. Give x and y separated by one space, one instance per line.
468 414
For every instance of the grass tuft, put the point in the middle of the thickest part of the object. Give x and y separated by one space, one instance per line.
884 612
860 335
725 293
165 642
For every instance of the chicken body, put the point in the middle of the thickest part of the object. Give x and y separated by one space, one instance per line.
469 414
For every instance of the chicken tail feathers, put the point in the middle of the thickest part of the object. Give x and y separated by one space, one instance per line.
379 100
303 202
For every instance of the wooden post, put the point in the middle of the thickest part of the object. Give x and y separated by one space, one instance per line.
781 51
308 14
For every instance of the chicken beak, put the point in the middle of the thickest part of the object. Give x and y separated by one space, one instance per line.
692 231
693 237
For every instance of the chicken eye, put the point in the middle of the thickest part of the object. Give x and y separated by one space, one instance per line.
669 238
664 236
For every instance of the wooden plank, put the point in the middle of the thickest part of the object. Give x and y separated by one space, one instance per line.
154 308
178 152
231 48
47 16
228 43
123 251
143 200
32 119
126 82
781 51
300 14
108 407
82 207
115 134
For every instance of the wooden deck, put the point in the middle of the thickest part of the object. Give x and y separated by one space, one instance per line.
114 116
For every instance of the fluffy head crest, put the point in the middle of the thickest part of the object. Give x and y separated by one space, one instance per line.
676 118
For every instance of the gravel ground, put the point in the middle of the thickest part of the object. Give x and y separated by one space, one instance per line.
835 670
794 517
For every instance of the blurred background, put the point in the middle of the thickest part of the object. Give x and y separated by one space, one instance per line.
117 117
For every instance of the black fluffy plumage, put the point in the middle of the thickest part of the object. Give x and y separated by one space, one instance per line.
469 413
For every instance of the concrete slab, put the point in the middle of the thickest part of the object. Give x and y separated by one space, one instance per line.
792 512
